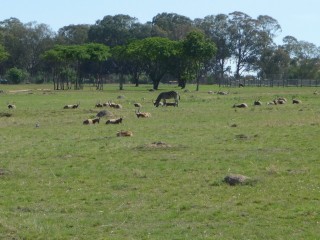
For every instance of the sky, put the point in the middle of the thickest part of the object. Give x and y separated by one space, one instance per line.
297 18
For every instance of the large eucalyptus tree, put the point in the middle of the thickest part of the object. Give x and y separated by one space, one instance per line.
171 25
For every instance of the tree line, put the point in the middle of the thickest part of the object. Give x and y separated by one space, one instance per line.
171 47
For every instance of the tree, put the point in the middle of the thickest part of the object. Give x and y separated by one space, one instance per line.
171 25
3 56
16 75
273 63
127 60
244 38
98 53
73 34
112 30
198 50
216 28
155 52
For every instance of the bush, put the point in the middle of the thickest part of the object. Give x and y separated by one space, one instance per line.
16 75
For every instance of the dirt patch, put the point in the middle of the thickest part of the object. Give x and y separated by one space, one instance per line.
3 172
20 91
158 145
2 114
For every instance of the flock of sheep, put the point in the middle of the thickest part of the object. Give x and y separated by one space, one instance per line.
162 96
277 101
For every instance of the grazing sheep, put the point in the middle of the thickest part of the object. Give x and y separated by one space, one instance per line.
296 101
114 121
143 114
137 105
241 105
11 106
210 92
124 134
91 121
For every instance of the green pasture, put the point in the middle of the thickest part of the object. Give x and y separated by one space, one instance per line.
66 180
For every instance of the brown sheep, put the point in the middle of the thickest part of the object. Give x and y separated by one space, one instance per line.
125 134
114 121
114 105
143 114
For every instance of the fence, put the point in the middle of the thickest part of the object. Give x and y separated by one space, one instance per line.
271 82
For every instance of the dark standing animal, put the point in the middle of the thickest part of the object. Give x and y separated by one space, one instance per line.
167 95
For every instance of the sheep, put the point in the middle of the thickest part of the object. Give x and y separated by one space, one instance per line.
11 106
124 134
222 93
114 105
274 102
257 103
99 105
75 106
280 100
137 105
142 114
91 121
71 106
241 105
114 121
296 101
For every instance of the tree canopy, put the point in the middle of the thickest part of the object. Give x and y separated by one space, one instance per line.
173 46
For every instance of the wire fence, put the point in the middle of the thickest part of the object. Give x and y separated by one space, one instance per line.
271 82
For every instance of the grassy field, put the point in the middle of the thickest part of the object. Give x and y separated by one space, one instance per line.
65 180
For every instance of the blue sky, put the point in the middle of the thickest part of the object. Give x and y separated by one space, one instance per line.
297 18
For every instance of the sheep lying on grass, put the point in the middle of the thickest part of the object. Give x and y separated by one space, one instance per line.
296 101
91 121
124 134
138 105
114 121
99 105
240 105
143 114
114 105
11 106
257 103
71 106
